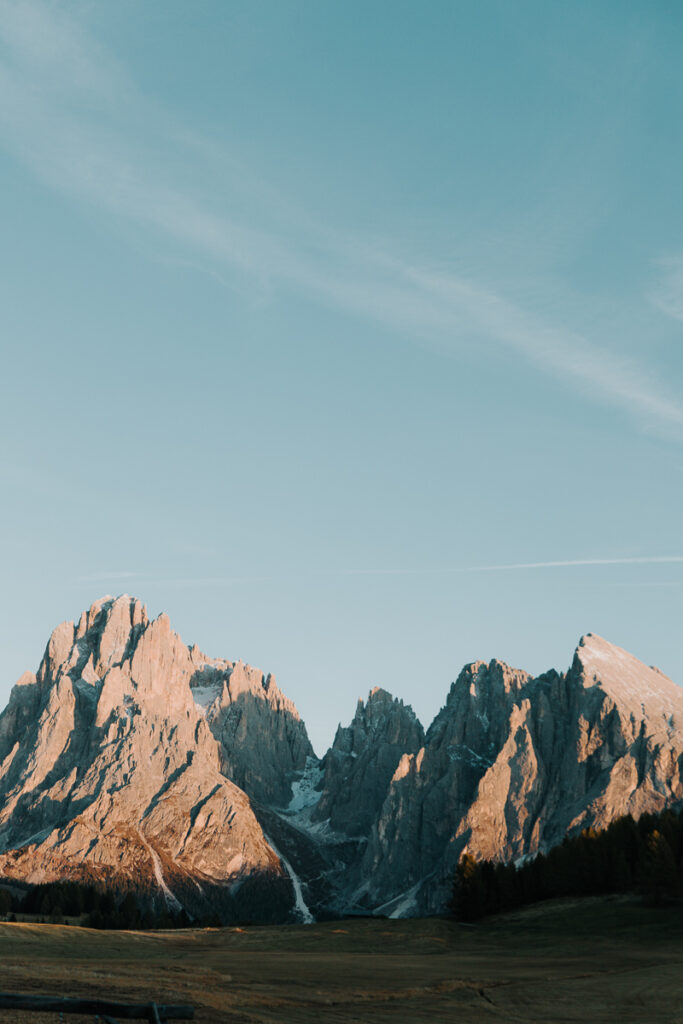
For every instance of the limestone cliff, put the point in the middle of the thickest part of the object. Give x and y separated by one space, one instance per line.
511 764
359 765
110 770
134 761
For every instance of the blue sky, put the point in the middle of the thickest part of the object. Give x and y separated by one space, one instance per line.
348 334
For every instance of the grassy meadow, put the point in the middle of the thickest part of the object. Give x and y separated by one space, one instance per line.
596 959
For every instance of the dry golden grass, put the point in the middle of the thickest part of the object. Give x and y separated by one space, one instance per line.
588 961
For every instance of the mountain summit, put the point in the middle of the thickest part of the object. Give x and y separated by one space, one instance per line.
117 759
134 761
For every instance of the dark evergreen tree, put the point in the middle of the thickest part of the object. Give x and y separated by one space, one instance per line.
470 891
626 856
661 882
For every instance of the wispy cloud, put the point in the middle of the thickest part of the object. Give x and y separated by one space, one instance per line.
571 563
667 294
69 112
519 566
230 580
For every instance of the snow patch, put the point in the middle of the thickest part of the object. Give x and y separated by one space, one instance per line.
299 902
171 900
461 752
401 904
305 792
204 696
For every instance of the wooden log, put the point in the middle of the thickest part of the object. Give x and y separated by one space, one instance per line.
103 1007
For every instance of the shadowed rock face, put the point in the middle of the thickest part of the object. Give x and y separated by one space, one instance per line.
362 760
134 760
263 742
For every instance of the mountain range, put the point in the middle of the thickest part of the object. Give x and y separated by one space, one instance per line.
135 762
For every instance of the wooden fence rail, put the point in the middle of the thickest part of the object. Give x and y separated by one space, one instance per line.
104 1007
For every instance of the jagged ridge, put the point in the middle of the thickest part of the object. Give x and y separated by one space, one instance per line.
113 768
133 760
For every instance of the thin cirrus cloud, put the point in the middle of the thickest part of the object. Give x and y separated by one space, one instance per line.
570 563
667 295
69 111
520 566
439 571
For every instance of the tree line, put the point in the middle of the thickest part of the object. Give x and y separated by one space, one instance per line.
644 856
54 902
260 898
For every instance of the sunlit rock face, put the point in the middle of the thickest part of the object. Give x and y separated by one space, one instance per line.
511 764
112 767
134 761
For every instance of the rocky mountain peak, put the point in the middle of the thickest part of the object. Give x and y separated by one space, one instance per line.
380 713
111 767
134 759
520 761
103 637
362 760
489 680
635 688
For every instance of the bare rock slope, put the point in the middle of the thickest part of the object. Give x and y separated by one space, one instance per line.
113 766
512 764
359 765
132 760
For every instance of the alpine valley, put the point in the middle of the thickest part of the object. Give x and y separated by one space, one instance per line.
135 762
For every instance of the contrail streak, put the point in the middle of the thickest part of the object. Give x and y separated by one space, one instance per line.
569 563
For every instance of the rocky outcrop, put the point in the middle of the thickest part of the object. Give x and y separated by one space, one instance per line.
359 765
511 764
110 771
264 744
134 761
